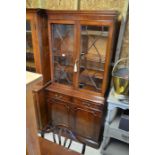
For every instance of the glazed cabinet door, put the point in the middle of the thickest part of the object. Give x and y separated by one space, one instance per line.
33 57
58 112
94 52
87 122
62 50
30 62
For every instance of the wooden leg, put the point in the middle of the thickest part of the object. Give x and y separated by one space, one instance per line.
42 134
83 148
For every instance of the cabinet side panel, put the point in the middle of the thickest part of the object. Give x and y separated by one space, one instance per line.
40 108
44 48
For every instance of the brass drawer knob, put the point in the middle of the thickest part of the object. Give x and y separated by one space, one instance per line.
58 96
86 103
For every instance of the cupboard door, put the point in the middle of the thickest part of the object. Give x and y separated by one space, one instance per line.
58 112
30 63
63 47
87 123
94 40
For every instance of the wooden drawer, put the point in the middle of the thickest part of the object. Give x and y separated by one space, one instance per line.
87 104
58 96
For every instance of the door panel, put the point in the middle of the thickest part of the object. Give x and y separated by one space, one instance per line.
63 44
58 112
94 40
87 123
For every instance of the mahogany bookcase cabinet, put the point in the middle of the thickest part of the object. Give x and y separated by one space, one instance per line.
37 47
81 47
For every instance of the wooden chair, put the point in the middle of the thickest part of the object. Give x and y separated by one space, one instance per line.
59 131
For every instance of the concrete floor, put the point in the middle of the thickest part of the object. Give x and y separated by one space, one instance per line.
115 147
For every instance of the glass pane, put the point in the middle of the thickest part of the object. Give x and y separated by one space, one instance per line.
92 57
30 66
62 48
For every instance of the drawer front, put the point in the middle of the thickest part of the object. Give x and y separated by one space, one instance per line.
58 96
88 104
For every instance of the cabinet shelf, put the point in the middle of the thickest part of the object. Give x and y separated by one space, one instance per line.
30 64
95 33
58 52
92 68
31 69
93 73
94 57
68 69
29 56
63 55
28 31
29 50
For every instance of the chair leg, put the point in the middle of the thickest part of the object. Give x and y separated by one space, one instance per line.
42 134
83 149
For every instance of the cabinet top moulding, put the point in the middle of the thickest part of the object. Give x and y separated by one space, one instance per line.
83 15
35 10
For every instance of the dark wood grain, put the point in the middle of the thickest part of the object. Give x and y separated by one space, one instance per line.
81 110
